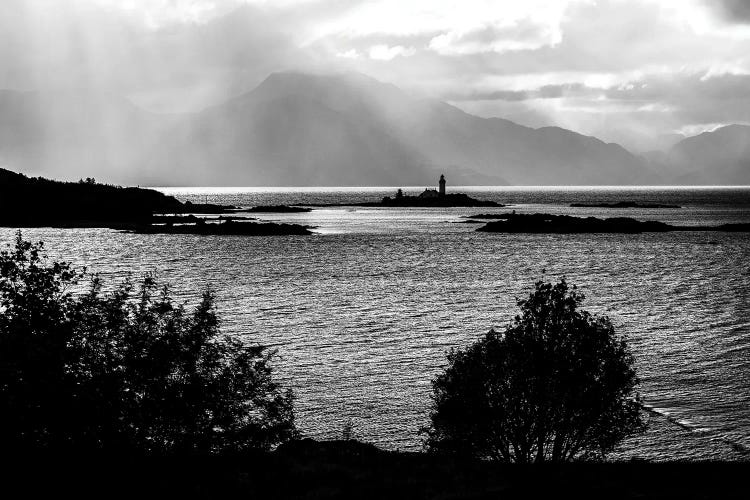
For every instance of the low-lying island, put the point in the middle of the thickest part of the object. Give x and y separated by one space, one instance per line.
548 223
227 227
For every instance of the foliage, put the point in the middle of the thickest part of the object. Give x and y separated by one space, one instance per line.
347 432
557 385
127 371
35 325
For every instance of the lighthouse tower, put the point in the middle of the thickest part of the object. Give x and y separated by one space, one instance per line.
442 185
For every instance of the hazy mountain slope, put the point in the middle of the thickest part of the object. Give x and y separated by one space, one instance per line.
288 140
718 157
449 139
299 129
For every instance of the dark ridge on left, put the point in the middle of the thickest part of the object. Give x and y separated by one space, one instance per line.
39 202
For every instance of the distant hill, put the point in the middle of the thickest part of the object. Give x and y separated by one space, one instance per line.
349 129
718 157
276 136
298 129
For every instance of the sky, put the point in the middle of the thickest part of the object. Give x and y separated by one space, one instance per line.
630 71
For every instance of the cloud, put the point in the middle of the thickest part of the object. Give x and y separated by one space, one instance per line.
521 35
544 92
386 53
734 10
349 54
164 13
699 128
110 46
613 68
455 28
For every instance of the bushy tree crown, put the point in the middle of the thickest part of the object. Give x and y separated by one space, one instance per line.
125 371
557 385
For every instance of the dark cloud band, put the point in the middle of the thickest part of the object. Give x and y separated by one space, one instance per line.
737 11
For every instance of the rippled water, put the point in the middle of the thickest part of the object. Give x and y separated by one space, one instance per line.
363 312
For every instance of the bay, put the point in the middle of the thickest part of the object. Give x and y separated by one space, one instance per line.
363 312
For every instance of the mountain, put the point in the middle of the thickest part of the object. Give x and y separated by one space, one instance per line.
299 129
275 136
356 130
718 157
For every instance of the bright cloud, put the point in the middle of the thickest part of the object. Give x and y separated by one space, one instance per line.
386 53
456 27
613 68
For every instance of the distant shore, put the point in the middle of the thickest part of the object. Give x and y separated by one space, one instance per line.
548 223
88 204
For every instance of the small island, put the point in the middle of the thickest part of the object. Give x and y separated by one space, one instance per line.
430 197
547 223
622 204
222 227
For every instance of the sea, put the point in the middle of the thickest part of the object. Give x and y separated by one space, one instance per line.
363 312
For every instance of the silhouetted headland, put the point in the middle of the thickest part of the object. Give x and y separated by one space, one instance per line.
547 223
39 202
623 204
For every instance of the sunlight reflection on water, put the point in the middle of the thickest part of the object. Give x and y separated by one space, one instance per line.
363 312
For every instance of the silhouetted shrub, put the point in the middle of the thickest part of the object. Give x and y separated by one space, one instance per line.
126 371
557 385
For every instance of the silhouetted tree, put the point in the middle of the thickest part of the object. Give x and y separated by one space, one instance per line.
35 325
557 385
126 371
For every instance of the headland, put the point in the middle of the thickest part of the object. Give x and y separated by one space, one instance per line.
38 202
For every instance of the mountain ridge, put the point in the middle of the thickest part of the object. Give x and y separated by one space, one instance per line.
300 129
721 156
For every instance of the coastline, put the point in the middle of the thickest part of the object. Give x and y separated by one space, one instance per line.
348 241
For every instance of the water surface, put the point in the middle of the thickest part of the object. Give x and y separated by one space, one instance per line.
363 311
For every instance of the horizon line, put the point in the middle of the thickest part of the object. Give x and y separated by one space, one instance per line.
477 186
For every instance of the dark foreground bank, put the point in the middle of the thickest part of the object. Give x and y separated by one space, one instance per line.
347 469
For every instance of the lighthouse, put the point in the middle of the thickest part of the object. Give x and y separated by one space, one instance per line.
442 185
